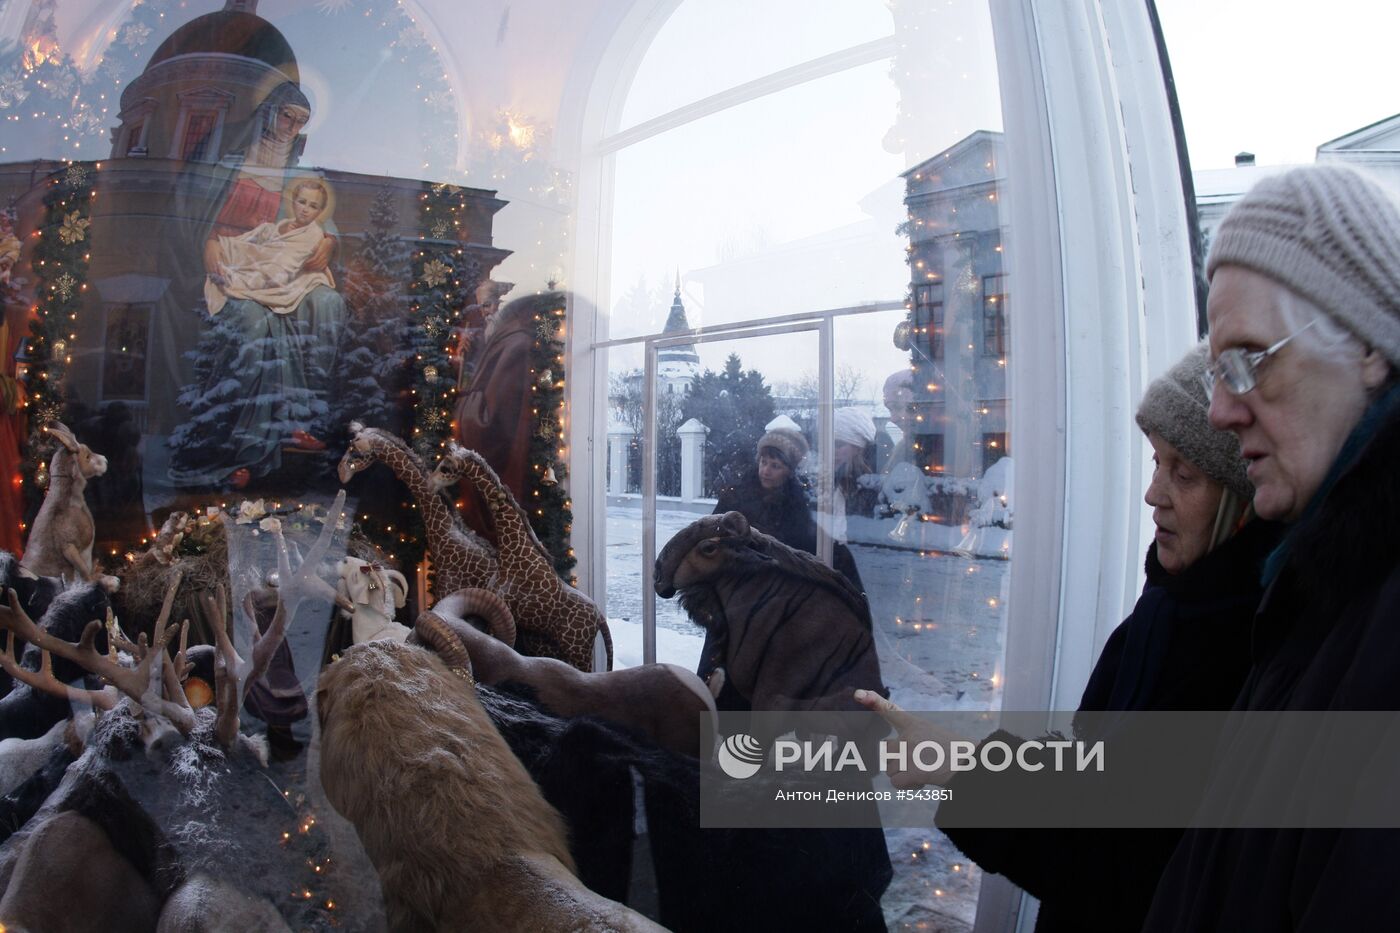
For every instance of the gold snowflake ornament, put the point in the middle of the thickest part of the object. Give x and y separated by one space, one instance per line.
76 174
64 285
441 229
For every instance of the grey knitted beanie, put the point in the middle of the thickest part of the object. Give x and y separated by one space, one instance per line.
787 442
1332 235
1174 408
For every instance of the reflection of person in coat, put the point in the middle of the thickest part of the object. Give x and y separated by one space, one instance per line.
775 501
1304 316
1184 647
493 414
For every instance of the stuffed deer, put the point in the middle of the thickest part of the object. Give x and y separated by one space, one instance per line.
60 544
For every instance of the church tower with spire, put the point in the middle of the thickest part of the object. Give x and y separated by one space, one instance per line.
676 366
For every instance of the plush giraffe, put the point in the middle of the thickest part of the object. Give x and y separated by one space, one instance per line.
461 558
552 618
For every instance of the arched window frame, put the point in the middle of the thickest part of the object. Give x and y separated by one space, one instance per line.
1097 162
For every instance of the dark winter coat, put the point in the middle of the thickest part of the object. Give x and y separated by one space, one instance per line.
661 860
785 514
1327 637
1184 647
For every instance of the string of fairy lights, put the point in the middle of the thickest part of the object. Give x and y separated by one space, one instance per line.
445 279
60 263
547 503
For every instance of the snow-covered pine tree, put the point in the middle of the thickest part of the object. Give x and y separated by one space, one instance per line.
245 398
374 372
203 441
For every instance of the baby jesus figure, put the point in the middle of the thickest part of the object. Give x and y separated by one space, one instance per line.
265 265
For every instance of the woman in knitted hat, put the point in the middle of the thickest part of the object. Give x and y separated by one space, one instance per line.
1184 647
1304 314
774 499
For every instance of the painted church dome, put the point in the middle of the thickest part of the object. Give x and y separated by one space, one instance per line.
230 32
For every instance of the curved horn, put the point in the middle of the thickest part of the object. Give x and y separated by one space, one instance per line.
484 603
734 523
402 583
439 636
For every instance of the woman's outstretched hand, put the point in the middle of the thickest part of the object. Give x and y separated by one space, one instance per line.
912 730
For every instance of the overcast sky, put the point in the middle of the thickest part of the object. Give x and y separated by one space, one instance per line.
1279 77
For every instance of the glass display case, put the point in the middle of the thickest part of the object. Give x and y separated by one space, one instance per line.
538 287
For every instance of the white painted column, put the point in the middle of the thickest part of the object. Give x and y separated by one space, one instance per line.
619 441
692 435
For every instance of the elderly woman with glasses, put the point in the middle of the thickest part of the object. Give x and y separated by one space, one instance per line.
1184 647
1304 316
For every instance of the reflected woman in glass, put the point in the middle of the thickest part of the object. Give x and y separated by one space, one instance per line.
1186 646
772 496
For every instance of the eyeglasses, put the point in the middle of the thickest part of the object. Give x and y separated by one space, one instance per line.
1238 370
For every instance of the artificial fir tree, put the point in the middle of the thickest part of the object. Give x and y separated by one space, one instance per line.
445 278
60 262
547 502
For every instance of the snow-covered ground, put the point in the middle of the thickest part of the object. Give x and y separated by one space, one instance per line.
939 621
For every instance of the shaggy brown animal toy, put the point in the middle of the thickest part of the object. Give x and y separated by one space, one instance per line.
796 634
459 833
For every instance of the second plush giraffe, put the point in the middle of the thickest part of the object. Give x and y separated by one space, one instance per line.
552 618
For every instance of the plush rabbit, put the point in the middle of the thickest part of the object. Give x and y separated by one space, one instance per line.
60 543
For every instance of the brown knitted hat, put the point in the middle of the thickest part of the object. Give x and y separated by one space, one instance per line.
1332 235
787 442
1174 408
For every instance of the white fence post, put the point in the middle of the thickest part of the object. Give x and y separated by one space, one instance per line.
619 443
692 435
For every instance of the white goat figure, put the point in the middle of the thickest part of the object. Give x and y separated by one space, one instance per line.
371 593
60 544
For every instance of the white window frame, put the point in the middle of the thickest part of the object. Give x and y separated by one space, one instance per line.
1095 163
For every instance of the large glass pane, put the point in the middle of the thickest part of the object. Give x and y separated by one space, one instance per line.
710 426
699 53
256 254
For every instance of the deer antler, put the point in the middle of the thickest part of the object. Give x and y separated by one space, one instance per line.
139 683
173 674
84 654
44 680
227 697
294 587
